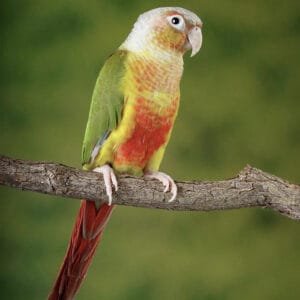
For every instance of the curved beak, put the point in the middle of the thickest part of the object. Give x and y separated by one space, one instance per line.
195 39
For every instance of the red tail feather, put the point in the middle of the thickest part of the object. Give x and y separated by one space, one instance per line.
85 237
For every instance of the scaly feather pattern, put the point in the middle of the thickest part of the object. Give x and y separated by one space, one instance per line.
133 109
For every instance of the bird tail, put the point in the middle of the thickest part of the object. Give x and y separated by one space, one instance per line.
86 235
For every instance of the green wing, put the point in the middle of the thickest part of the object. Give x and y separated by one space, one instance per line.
106 106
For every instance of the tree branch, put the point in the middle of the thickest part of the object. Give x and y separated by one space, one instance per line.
251 188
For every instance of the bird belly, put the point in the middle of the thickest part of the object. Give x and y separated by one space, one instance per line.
150 131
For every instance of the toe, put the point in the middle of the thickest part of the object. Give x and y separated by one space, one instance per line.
110 180
107 183
166 188
114 180
108 186
173 191
109 199
166 184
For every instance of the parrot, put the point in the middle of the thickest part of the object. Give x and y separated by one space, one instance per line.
132 113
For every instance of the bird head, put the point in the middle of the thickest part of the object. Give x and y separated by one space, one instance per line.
166 29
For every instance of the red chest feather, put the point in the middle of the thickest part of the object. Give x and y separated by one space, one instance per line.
150 132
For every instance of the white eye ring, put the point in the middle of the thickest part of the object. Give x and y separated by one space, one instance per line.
177 22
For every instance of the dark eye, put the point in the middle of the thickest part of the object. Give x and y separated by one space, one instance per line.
175 20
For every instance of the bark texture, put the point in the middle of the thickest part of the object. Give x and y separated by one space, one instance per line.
250 188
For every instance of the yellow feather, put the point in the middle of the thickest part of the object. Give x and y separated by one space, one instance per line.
149 79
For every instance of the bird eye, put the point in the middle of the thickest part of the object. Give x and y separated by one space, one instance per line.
177 22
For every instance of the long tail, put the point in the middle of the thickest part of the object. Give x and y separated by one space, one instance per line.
86 235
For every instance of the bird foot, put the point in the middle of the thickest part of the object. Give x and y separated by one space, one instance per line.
166 180
110 180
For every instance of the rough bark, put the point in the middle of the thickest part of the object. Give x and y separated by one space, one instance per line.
251 188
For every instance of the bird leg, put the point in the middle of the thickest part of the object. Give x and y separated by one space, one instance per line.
166 180
109 178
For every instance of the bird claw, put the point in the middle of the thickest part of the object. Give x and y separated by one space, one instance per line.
166 180
110 180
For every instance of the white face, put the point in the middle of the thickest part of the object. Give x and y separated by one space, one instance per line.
181 19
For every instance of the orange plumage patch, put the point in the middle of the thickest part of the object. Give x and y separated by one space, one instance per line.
150 132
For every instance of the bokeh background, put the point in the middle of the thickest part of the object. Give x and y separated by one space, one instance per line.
240 104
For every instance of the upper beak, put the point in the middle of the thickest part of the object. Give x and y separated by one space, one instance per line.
195 39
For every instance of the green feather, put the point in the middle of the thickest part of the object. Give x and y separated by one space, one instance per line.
107 103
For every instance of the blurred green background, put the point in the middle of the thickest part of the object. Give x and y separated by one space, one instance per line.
240 104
